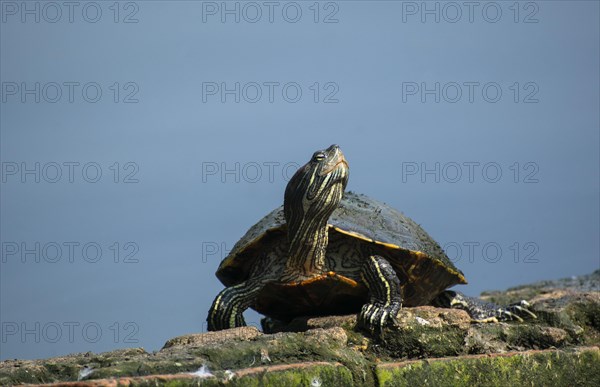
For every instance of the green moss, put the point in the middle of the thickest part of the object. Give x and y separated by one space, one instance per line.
317 376
541 368
423 341
586 315
285 349
170 383
530 336
290 348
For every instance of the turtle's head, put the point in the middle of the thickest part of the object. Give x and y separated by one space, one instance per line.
316 188
312 194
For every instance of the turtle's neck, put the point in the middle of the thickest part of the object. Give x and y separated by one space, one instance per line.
307 247
307 210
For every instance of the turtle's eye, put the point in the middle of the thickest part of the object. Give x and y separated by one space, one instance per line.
319 156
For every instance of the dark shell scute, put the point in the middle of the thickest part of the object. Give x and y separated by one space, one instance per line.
382 223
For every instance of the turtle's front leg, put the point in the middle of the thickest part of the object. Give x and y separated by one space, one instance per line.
482 311
385 292
228 307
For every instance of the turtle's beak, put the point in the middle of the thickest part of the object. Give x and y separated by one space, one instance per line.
336 160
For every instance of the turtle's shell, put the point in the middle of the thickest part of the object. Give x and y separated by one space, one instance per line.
423 267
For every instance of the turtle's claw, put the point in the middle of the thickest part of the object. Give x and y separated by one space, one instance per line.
516 311
375 317
482 311
521 308
504 315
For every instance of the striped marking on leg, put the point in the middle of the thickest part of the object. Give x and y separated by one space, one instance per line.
226 311
384 287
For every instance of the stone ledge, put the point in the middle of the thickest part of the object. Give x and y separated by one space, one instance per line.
298 374
432 346
534 367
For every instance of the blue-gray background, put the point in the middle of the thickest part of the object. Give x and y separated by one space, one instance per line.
178 211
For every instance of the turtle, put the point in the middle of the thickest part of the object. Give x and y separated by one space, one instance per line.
331 252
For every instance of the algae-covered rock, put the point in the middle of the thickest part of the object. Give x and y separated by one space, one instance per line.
214 338
425 332
571 304
428 346
577 367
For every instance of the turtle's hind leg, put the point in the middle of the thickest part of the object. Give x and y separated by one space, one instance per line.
385 292
482 311
228 307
